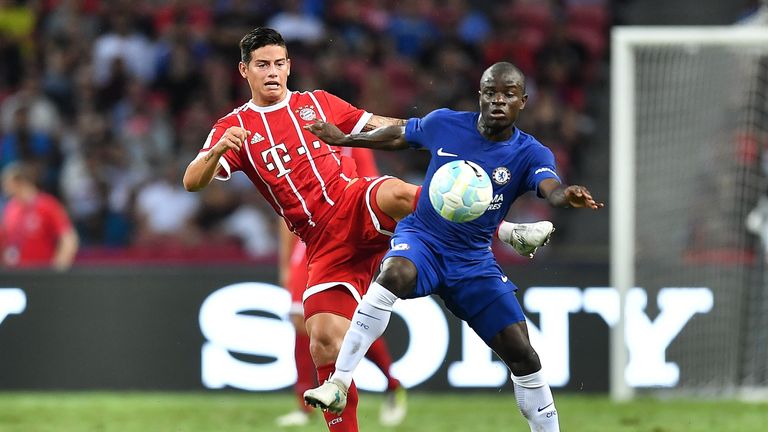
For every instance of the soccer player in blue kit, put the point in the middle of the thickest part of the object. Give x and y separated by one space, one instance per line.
431 255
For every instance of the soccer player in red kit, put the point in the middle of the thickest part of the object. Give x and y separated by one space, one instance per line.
293 276
344 220
35 230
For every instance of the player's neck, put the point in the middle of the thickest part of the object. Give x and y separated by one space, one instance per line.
267 102
495 134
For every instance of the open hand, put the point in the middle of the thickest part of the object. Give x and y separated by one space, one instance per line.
580 197
327 132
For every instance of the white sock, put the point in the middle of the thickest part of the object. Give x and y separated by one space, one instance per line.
504 232
534 398
368 323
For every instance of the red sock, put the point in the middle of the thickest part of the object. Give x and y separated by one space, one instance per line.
378 353
305 369
347 422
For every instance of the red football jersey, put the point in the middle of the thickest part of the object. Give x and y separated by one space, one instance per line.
30 231
299 175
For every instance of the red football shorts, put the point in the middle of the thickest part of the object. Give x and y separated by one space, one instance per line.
347 251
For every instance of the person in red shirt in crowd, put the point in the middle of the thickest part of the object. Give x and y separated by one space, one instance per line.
293 276
36 230
344 220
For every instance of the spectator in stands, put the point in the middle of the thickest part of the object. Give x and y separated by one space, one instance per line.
165 212
23 143
35 230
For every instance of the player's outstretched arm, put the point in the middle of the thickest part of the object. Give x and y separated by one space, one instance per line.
560 195
200 171
390 137
377 121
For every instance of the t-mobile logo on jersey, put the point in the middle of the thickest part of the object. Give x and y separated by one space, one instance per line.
277 160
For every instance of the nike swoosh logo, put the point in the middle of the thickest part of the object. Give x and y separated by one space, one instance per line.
369 316
440 152
545 406
505 279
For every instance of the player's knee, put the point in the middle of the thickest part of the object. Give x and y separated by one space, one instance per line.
326 332
324 346
522 360
406 195
397 198
398 275
514 347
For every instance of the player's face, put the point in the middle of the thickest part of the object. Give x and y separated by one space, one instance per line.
501 99
267 74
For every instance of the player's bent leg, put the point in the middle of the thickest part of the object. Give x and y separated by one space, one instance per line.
532 392
396 198
326 331
368 323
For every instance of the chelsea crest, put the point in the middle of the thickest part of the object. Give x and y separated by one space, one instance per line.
500 175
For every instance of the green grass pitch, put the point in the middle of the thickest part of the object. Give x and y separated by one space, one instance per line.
255 412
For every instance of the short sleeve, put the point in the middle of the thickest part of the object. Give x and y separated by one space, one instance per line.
418 131
344 115
230 162
542 167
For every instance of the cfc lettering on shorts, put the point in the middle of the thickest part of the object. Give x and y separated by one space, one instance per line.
334 421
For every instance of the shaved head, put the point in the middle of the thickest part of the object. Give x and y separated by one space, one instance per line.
502 97
503 71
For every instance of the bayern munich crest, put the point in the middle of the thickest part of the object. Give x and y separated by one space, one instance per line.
500 175
307 113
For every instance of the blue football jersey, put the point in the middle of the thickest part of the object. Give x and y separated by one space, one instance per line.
515 167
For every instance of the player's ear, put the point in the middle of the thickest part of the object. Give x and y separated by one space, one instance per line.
525 100
288 63
243 68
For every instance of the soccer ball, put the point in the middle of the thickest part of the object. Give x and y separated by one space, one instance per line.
460 191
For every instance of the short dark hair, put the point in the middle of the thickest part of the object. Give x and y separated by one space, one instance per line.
257 38
24 172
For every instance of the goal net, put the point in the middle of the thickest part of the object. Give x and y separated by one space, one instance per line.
688 166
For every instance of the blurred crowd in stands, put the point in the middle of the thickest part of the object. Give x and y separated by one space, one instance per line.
111 99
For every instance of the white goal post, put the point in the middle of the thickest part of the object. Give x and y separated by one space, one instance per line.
668 136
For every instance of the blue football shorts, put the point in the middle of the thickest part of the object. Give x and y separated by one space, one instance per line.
472 285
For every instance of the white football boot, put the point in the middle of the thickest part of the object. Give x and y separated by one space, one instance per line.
330 396
526 238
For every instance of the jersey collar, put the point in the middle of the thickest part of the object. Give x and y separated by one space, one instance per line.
265 109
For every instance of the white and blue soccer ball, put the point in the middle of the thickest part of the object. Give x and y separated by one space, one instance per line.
460 191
